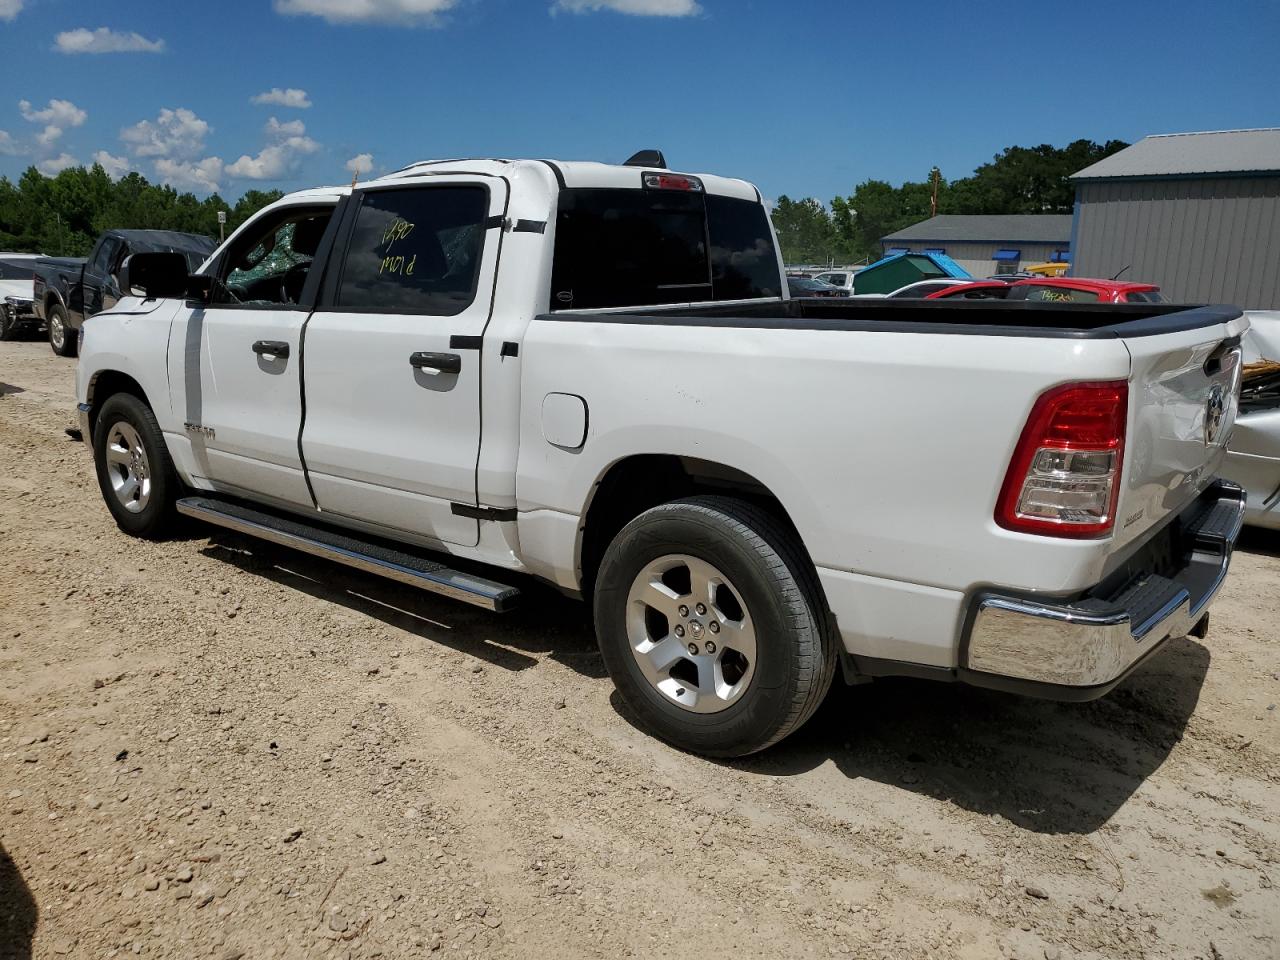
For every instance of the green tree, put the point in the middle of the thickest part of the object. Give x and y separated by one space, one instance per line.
1018 180
63 215
806 232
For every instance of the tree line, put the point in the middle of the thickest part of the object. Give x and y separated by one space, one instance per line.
63 215
1018 180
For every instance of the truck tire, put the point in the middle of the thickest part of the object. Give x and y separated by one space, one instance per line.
8 325
713 626
135 472
61 337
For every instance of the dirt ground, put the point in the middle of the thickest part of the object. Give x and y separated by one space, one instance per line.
211 747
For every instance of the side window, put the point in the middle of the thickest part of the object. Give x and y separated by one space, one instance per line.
106 255
416 250
113 267
271 262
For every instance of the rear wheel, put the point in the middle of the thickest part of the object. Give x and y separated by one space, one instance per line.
61 337
8 325
135 472
712 625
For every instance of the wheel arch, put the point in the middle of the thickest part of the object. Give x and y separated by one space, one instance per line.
634 484
107 383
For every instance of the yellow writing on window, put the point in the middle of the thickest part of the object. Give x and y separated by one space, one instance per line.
398 266
398 230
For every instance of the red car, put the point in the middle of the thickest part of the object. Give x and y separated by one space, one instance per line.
1055 290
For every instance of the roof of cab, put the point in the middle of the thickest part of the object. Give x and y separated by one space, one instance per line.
575 173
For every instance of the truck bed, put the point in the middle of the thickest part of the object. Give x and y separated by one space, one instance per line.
975 317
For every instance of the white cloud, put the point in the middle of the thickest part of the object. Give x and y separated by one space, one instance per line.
55 119
175 133
284 131
286 143
291 97
116 167
424 12
202 175
55 165
102 40
8 147
59 113
635 8
10 9
360 164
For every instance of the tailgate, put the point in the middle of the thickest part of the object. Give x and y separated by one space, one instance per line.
1184 395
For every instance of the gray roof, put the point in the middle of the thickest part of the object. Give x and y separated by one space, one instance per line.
989 228
1182 154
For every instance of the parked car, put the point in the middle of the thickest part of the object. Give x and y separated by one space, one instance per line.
1083 290
918 290
723 472
800 287
839 278
67 291
1253 457
16 313
972 290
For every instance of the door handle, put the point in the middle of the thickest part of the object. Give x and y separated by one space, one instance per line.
272 348
442 362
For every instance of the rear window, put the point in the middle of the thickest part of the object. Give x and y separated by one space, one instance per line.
624 248
1060 295
1143 296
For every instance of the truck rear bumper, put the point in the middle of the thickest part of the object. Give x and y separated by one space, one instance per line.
1079 650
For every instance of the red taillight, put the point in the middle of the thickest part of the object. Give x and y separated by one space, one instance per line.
1064 479
672 181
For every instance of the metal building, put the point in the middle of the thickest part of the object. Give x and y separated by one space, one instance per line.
987 244
1197 213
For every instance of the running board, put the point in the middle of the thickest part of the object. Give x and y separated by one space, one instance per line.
372 558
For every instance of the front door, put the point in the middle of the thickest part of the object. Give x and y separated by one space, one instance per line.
392 428
240 396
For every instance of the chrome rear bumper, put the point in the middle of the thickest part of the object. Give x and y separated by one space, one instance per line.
1080 649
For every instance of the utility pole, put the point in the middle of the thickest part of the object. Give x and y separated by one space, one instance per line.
222 225
935 178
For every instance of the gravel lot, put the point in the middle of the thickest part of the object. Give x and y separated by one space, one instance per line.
211 747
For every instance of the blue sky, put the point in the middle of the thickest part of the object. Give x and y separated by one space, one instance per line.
803 97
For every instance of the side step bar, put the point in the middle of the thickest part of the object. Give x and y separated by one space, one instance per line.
372 558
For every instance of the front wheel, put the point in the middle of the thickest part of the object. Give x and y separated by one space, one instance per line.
135 472
8 325
61 337
712 625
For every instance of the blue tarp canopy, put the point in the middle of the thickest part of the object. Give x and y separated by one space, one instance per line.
897 251
1007 255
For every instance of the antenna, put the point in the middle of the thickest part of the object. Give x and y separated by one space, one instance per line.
1120 271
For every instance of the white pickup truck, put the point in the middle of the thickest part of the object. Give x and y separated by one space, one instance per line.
469 372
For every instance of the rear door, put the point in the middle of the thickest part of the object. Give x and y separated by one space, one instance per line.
392 379
1185 389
